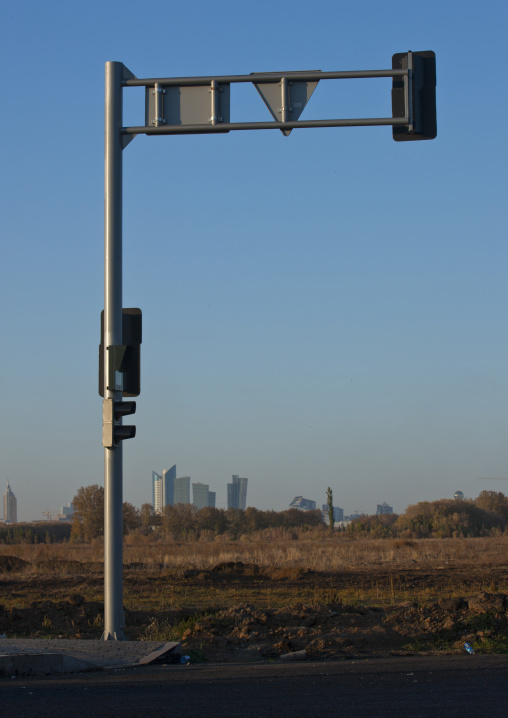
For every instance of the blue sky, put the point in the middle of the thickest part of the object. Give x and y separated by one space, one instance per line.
327 309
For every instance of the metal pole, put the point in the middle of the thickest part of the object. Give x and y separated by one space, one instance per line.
113 532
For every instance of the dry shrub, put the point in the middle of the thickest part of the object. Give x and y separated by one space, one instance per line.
399 543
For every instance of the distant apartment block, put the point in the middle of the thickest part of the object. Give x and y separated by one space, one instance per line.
355 515
237 493
202 497
384 508
10 506
302 504
66 513
338 513
182 490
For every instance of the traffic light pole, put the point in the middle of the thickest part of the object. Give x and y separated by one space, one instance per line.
113 465
188 106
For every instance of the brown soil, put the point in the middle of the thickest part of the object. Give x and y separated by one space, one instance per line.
12 563
461 603
334 630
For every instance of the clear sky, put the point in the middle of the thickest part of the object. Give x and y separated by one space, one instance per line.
327 309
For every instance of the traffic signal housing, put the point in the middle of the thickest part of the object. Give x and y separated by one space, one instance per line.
125 358
414 95
113 431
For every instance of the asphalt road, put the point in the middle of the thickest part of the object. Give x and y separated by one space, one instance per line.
452 686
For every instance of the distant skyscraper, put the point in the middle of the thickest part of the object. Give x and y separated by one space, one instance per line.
237 493
10 506
211 499
163 489
201 495
156 492
384 508
233 496
182 490
168 486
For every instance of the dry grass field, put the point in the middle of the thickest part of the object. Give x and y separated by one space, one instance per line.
265 595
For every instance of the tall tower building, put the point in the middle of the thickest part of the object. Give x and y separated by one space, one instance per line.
237 493
182 490
10 506
163 489
168 485
156 492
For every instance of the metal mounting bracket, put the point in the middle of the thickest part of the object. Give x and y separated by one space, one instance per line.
159 92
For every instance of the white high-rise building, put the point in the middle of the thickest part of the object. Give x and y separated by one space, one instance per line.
163 489
10 506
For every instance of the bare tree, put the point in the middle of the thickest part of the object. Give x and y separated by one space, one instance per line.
88 506
131 518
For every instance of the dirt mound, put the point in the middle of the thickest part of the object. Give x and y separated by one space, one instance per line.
488 602
245 633
12 563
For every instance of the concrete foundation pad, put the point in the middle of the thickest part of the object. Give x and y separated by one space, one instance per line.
22 657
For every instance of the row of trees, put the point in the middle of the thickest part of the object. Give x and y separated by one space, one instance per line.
483 516
35 533
181 521
487 515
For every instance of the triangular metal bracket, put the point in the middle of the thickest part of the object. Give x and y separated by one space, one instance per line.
127 74
287 98
126 139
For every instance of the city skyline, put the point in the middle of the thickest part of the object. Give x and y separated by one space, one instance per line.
168 489
202 497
